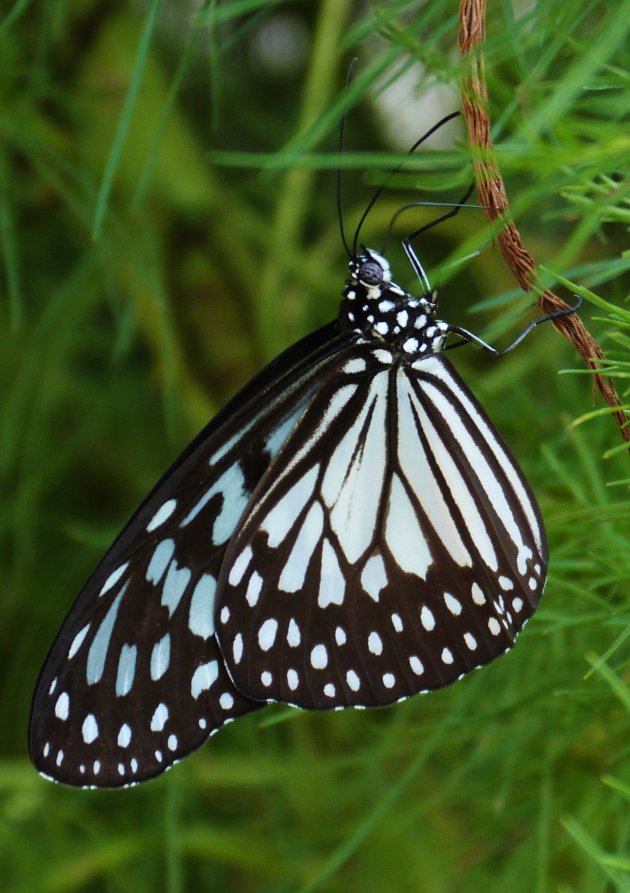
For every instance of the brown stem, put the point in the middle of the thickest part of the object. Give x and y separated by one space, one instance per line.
494 198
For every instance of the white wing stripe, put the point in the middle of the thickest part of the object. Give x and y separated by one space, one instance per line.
403 535
481 468
458 487
437 368
353 481
285 512
294 571
417 471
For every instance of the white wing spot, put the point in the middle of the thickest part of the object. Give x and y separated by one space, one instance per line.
477 595
293 634
134 765
160 657
163 514
171 742
204 678
533 584
416 665
160 559
447 656
97 654
494 626
329 690
201 611
383 356
126 670
159 718
356 365
332 586
89 729
517 604
397 623
240 566
254 588
452 604
53 686
285 512
293 680
403 533
96 768
537 568
114 577
124 736
266 678
389 680
78 641
226 701
353 680
319 657
267 634
175 583
237 648
295 568
374 576
375 643
506 584
471 642
47 748
224 616
59 759
427 619
340 636
62 707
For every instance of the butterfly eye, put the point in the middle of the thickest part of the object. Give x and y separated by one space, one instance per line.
370 273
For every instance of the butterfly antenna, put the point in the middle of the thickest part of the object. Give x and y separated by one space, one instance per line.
422 204
454 210
342 128
381 188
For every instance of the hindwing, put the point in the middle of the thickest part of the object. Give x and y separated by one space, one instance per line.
392 545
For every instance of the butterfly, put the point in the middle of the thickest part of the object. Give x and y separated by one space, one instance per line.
350 530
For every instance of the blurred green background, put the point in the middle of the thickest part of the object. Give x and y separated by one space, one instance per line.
168 224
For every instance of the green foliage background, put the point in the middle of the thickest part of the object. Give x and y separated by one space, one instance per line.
167 224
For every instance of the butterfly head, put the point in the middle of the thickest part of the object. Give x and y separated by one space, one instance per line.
381 310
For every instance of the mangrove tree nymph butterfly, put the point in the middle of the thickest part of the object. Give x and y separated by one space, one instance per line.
350 530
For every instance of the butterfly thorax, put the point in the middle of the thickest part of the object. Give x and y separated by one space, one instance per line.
382 311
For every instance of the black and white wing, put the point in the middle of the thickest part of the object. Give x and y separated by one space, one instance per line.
392 546
135 679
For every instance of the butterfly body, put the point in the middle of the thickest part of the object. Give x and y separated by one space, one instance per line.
350 530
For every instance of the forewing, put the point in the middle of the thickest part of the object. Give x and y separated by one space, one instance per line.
135 679
392 546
